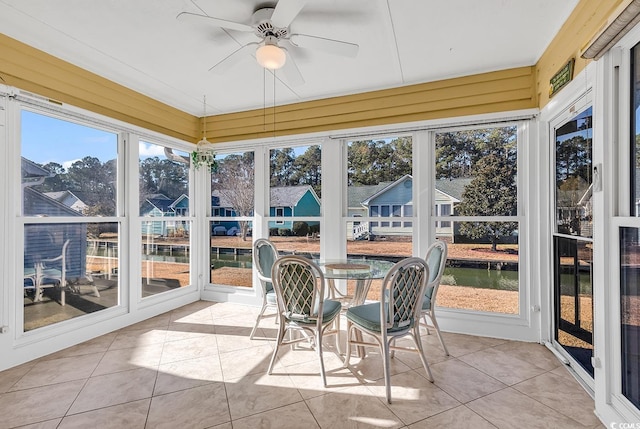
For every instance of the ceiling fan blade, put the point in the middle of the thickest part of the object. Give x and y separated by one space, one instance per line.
217 22
329 46
291 71
286 11
232 59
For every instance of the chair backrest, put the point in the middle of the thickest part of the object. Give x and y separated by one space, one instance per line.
299 286
403 287
264 255
436 259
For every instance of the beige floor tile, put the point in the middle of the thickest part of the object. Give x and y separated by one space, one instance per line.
49 424
199 407
413 397
370 368
130 358
306 376
113 389
459 417
184 331
232 337
462 381
138 338
11 376
196 313
534 353
349 408
505 367
432 351
255 394
509 408
253 360
158 322
223 310
38 404
59 370
131 415
292 416
96 345
186 374
563 395
461 344
188 349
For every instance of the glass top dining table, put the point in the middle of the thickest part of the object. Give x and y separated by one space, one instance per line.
362 270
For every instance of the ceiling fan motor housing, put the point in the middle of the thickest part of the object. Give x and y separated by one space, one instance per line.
261 21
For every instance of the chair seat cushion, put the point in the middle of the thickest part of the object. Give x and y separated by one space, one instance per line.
426 303
368 316
330 310
271 297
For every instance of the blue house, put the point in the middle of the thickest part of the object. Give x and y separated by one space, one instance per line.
285 201
159 205
389 200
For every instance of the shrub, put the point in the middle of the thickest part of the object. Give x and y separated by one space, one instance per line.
300 229
284 232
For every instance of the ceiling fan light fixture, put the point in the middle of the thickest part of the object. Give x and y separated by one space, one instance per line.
270 55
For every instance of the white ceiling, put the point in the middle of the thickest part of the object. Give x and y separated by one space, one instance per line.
140 44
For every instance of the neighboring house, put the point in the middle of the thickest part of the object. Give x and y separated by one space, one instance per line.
159 205
46 240
285 201
69 199
395 199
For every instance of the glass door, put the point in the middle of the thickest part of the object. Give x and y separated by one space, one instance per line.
572 239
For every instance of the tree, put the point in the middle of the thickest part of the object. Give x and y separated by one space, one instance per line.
371 162
306 169
234 181
492 192
281 164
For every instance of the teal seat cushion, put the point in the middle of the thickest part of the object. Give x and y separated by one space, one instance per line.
368 316
426 303
271 297
330 310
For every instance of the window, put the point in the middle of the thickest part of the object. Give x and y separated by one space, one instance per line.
165 239
380 194
232 209
476 169
279 213
69 173
295 194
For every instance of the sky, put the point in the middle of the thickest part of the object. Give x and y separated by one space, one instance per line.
46 139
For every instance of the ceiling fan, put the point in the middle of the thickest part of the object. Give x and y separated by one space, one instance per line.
271 25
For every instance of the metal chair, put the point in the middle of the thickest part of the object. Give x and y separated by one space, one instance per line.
264 255
396 315
299 286
436 259
52 272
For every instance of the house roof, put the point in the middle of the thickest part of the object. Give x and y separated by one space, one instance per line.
160 201
67 198
35 200
281 196
357 195
453 187
32 170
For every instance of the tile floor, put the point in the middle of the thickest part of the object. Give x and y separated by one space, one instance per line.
195 367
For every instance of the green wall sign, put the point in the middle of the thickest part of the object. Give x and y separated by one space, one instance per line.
561 78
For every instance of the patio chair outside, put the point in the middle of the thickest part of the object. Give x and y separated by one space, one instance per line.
299 286
53 272
395 316
436 259
264 255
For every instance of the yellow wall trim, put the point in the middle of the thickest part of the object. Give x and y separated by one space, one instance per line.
503 90
27 68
